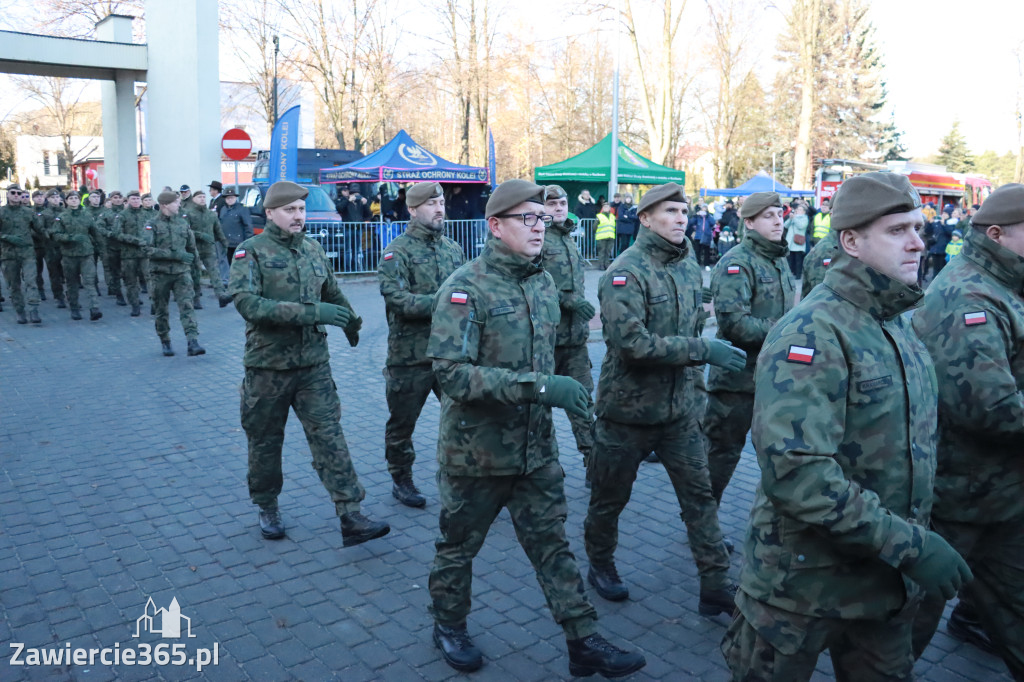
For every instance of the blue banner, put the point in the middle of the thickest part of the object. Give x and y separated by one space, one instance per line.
491 165
284 147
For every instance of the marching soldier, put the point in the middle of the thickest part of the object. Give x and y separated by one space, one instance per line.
18 226
208 234
105 225
75 230
130 232
817 261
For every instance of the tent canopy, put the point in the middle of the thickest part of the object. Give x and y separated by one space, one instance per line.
762 182
402 160
594 165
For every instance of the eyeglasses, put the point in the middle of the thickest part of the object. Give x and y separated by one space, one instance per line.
529 219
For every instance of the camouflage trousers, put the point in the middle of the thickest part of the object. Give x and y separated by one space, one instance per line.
134 272
536 503
574 361
162 286
406 390
605 252
207 255
21 272
618 451
80 268
995 553
267 396
779 646
726 424
50 255
112 266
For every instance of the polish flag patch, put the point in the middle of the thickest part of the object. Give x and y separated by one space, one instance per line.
240 253
459 297
972 319
733 270
388 256
826 262
148 227
800 354
619 281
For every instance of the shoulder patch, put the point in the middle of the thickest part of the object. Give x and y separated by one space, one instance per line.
619 281
389 255
826 262
149 227
240 253
459 297
972 319
733 270
800 354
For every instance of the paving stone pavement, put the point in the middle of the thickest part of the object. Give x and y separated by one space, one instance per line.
122 478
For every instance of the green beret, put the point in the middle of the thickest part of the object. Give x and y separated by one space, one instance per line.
667 192
113 194
167 198
71 193
13 188
422 192
510 194
864 198
759 201
133 193
283 193
554 192
1003 207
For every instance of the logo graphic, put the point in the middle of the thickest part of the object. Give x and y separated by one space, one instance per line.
629 155
169 621
415 154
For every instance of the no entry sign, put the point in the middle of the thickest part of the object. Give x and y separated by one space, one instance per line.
236 144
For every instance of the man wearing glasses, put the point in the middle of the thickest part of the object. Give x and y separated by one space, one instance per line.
492 343
17 254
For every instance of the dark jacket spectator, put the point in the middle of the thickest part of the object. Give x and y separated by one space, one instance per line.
459 206
236 222
730 218
585 207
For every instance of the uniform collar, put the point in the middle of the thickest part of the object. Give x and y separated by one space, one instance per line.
998 261
565 228
288 239
418 230
761 246
879 295
501 258
660 248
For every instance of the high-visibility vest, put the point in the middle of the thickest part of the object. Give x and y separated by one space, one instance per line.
953 249
822 225
605 226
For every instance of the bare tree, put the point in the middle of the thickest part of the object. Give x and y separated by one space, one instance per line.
59 97
77 18
805 25
1018 172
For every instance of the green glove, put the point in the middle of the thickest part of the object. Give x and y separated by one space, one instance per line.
186 257
15 240
706 296
352 330
584 308
336 315
564 392
206 239
721 354
939 568
224 243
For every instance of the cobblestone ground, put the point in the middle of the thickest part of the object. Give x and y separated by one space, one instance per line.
122 478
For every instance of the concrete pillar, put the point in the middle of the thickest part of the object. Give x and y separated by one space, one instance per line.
183 93
120 160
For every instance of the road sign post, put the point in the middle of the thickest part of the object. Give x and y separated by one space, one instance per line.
236 145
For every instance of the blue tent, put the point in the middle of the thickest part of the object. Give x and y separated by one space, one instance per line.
762 182
402 160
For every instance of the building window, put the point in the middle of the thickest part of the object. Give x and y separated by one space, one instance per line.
62 164
46 163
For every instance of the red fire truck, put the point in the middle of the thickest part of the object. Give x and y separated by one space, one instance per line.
933 183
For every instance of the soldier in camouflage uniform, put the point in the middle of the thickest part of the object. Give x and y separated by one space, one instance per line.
75 231
93 208
50 250
817 261
206 228
972 322
171 249
410 271
493 344
564 262
652 316
752 288
18 225
838 551
130 233
112 261
284 287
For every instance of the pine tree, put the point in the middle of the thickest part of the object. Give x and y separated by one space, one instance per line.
953 152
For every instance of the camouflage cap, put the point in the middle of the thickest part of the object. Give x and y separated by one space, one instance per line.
510 194
283 193
864 198
167 198
759 201
133 193
667 192
422 192
554 192
1003 207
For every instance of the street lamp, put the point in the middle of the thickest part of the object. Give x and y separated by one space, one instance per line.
277 48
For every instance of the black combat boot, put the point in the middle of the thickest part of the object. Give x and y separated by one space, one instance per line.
194 348
60 303
404 490
714 602
730 547
224 300
33 316
271 524
21 317
964 625
196 303
42 294
110 291
120 299
152 309
168 351
76 313
457 648
356 529
595 654
136 310
606 581
95 314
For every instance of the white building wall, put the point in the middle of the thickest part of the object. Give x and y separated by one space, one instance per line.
32 152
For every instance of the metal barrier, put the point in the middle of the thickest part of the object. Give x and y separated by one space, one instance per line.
355 248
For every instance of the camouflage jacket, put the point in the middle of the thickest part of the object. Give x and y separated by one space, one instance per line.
105 226
75 230
276 280
410 271
752 288
652 316
972 322
206 227
130 231
817 260
166 237
18 222
43 225
564 261
845 410
491 339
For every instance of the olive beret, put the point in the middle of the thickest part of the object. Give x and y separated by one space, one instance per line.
71 193
167 198
510 194
864 198
147 195
759 201
133 193
422 192
283 193
113 194
554 192
13 188
1003 207
667 192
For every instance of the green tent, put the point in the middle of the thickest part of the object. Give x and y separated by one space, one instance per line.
594 166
